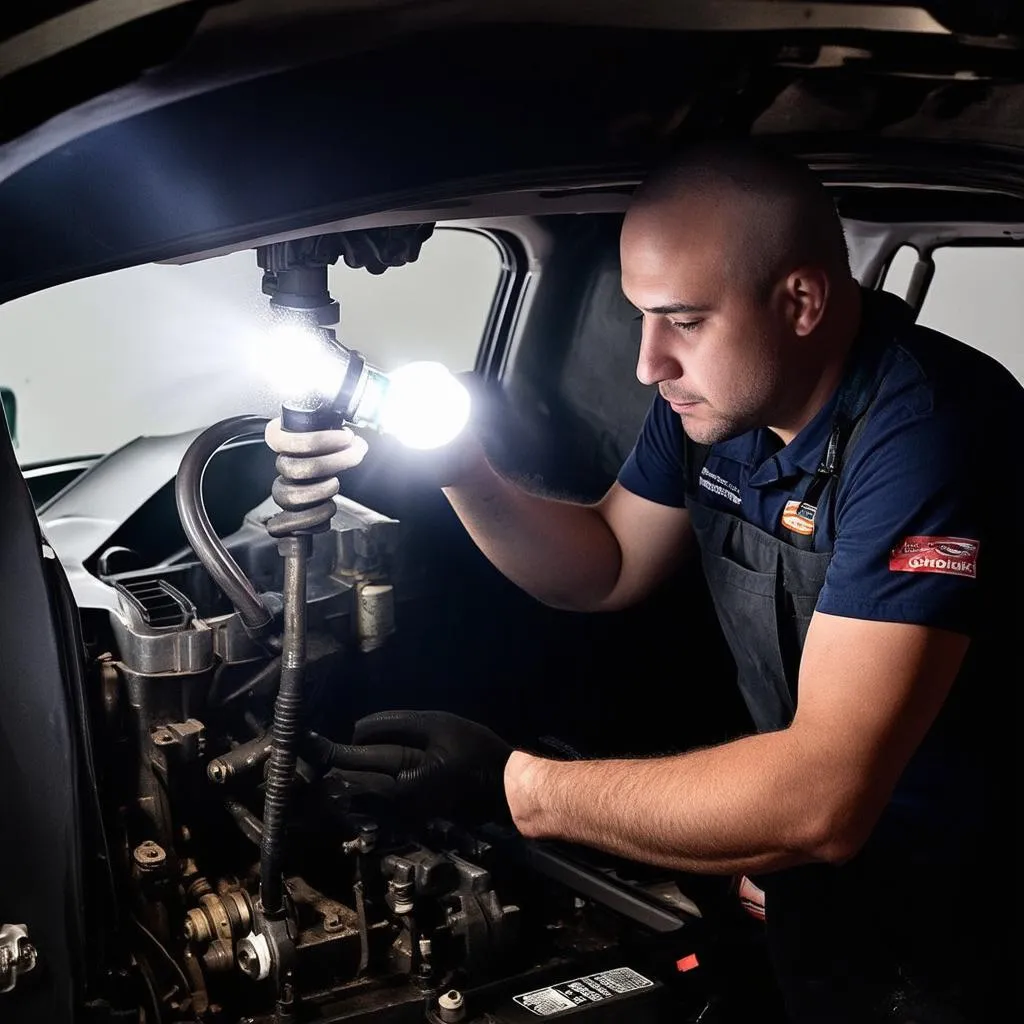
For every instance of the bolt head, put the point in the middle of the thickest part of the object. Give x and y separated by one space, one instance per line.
450 1000
149 855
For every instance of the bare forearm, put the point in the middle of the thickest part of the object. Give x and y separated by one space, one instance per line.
562 553
739 807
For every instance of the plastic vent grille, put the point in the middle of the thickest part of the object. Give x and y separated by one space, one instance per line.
158 603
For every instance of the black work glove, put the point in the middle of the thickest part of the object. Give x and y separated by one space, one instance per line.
432 763
376 249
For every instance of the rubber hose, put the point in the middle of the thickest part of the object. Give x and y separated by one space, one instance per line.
188 493
286 728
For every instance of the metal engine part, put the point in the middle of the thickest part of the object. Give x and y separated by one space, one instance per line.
221 919
17 955
375 909
475 927
169 647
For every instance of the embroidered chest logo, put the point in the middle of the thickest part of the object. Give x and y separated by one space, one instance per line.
953 556
798 517
719 485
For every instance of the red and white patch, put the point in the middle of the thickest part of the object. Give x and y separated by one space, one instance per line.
953 556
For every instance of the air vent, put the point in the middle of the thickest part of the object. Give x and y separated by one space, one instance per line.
158 604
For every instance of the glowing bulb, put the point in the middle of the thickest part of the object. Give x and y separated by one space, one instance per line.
421 403
299 363
424 406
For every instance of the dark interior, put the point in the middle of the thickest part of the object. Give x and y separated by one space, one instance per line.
201 136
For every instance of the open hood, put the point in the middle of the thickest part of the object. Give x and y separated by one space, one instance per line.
133 132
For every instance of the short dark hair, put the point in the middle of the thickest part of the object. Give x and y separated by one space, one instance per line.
797 220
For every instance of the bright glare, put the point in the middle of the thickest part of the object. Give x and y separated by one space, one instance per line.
298 362
425 406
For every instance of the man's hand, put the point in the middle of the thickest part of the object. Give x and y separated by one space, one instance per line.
440 763
338 450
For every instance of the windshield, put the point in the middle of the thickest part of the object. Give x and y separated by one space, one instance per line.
160 349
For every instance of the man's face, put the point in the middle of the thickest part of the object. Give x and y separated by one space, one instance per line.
711 341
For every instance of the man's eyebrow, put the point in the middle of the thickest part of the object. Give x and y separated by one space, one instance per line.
677 307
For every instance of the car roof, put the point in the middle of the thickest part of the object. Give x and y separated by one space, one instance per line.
162 130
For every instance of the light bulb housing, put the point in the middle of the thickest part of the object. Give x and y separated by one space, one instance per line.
327 384
421 404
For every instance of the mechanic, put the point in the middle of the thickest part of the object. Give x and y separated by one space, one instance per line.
841 474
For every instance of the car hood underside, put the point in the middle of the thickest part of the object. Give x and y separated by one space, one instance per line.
248 130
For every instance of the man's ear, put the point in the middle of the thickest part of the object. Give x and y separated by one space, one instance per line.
806 291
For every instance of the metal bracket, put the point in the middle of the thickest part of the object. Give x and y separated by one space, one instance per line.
17 955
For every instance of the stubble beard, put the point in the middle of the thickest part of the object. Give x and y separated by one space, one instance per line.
712 431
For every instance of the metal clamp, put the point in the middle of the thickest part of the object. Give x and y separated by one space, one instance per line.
451 1006
17 955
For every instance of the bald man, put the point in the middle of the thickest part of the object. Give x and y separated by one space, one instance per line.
839 471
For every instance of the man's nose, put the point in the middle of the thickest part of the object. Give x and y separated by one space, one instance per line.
656 362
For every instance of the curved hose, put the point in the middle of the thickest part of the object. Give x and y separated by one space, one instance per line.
188 493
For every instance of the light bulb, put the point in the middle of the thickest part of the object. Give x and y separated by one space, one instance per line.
424 406
421 403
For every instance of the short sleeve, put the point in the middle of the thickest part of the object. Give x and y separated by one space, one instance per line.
913 541
656 467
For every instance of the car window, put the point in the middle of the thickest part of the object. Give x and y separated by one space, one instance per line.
159 349
901 266
975 295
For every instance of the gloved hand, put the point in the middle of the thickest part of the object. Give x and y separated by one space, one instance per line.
338 450
376 249
432 762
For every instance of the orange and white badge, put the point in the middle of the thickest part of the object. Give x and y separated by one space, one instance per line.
952 556
798 517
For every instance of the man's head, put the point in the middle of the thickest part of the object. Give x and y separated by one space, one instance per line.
736 257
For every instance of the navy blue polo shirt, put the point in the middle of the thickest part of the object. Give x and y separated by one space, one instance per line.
925 504
923 530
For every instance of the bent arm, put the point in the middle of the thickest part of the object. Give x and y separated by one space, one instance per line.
579 557
812 792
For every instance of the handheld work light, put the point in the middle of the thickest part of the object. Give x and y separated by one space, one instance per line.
323 383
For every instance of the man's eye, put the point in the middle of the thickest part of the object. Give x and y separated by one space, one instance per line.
686 325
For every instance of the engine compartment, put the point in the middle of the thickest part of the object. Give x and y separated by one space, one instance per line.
389 915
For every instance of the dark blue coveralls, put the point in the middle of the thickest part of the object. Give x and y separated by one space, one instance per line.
900 501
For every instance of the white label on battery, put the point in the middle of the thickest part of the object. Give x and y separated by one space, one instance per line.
567 995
